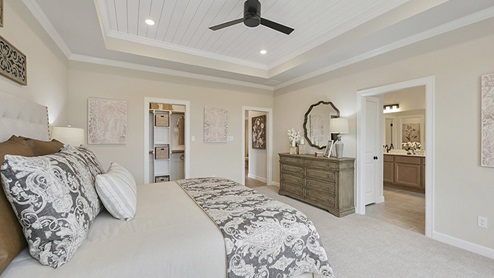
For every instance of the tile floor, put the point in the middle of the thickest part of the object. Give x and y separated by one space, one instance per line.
401 208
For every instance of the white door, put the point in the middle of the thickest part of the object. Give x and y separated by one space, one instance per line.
373 151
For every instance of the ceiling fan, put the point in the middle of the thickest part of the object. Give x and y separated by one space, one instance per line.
252 18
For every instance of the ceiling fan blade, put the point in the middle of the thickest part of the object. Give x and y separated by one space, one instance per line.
226 24
276 26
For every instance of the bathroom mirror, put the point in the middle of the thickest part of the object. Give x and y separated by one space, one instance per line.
316 123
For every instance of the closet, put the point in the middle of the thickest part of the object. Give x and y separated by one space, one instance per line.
167 141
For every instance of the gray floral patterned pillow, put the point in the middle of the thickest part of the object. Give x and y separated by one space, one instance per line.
55 201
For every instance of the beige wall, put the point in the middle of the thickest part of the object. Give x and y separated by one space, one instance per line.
47 81
218 159
463 189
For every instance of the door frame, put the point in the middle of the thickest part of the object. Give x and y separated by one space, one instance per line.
269 143
187 151
429 83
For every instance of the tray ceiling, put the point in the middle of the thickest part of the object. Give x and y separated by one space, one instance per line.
328 34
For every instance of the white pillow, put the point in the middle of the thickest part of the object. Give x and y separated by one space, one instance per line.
117 191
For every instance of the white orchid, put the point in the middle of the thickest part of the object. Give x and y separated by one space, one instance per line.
411 146
293 136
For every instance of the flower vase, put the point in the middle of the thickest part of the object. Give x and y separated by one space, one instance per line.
293 147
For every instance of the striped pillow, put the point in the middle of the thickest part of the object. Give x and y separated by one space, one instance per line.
117 191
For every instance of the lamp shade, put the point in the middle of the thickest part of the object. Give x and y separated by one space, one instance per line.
338 125
68 135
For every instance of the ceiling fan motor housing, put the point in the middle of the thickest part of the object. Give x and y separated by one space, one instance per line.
252 13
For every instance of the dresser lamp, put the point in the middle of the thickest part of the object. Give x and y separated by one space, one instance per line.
338 126
68 135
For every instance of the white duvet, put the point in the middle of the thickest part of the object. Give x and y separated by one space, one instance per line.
170 236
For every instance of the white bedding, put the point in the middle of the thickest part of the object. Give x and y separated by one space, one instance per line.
170 236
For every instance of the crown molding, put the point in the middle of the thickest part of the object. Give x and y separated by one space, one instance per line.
447 27
46 24
186 50
140 67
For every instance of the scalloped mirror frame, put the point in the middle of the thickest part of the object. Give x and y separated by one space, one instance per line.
306 136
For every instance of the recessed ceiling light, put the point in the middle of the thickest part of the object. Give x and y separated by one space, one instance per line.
264 51
149 22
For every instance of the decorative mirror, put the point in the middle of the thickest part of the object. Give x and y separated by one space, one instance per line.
316 123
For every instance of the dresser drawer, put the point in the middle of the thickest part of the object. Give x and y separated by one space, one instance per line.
321 198
292 169
292 160
291 178
292 189
321 163
327 187
320 174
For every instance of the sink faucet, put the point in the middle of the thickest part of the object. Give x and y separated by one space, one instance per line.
388 148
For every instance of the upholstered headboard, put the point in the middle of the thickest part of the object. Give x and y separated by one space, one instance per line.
23 118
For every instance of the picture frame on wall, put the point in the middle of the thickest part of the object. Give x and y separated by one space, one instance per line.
1 13
107 121
329 149
13 62
259 132
487 122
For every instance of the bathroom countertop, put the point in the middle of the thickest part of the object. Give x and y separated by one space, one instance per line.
404 154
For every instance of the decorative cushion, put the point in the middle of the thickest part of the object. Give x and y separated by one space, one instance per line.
12 239
40 147
55 201
86 156
117 191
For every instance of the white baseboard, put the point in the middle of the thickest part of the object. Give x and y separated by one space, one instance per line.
275 183
463 244
256 177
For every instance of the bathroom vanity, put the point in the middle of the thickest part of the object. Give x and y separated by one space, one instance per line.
404 171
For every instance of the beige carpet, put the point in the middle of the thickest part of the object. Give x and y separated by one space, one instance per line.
360 246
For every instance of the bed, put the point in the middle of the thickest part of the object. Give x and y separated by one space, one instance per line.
173 233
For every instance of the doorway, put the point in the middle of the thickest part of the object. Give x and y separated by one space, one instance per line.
402 179
166 139
257 146
362 180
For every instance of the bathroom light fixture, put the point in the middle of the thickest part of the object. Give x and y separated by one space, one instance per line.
391 107
149 22
264 51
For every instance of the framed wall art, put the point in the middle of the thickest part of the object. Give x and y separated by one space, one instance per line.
410 132
215 125
487 120
107 121
13 63
259 132
1 13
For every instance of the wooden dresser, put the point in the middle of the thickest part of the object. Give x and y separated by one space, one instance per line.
320 181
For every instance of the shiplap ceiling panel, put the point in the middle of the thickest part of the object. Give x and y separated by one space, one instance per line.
185 24
143 12
329 34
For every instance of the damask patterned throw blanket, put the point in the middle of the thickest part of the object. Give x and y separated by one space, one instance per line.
263 237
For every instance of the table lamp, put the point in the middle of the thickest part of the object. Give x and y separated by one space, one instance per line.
68 135
338 126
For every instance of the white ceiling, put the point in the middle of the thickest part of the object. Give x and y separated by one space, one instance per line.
329 34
